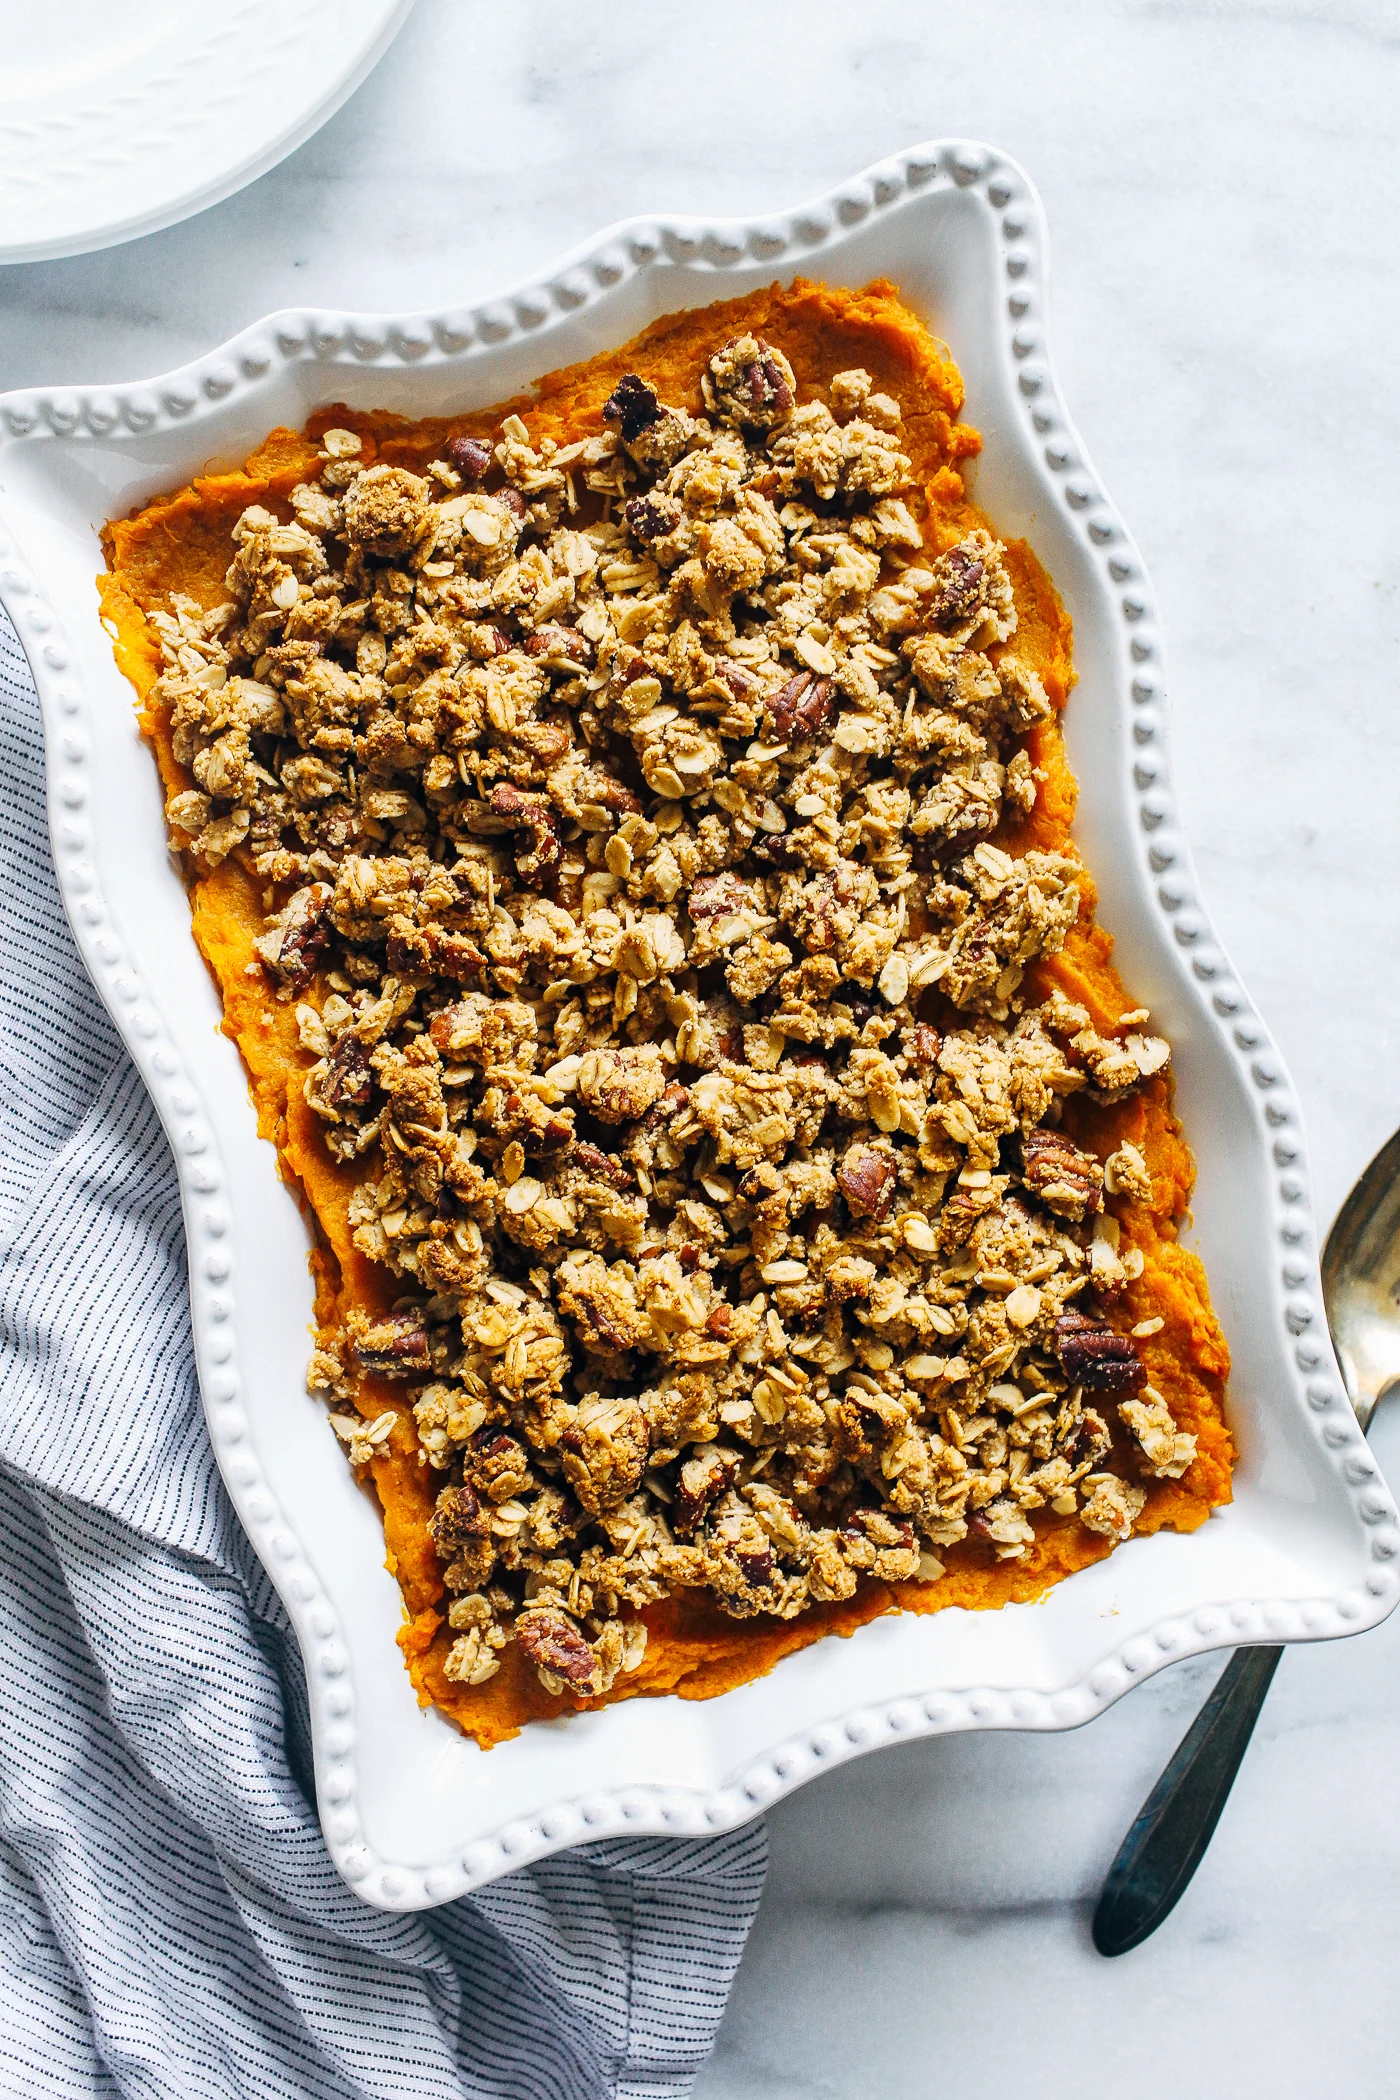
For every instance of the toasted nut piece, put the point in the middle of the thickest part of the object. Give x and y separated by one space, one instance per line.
1095 1354
957 586
703 1478
457 1518
553 1642
750 383
1066 1179
867 1181
472 457
556 644
393 1346
804 707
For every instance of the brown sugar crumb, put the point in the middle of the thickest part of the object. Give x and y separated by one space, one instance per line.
627 817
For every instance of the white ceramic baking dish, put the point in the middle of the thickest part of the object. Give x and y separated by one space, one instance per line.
412 1812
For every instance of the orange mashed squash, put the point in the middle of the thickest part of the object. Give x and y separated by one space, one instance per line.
180 543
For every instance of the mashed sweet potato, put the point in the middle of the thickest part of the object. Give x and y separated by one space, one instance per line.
180 545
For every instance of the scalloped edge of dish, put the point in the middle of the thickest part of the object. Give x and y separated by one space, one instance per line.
589 274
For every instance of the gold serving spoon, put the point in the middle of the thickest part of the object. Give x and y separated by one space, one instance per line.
1168 1839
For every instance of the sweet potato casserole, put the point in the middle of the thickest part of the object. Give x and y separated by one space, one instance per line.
630 831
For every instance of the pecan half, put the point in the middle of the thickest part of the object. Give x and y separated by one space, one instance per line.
349 1082
755 390
1066 1179
717 896
958 578
494 1464
804 707
554 1643
293 945
1095 1354
599 1163
709 1470
867 1181
393 1346
767 383
557 642
472 458
632 405
457 1518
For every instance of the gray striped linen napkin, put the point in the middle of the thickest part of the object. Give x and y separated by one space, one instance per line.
170 1921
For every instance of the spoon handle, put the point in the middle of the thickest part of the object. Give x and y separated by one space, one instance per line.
1173 1827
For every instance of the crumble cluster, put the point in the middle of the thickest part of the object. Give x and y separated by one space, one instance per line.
620 805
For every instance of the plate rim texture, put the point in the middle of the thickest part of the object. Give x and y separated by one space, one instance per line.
106 131
1314 1534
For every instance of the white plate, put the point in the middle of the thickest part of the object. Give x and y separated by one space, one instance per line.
412 1812
116 120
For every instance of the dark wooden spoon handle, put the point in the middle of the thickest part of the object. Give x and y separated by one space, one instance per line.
1173 1827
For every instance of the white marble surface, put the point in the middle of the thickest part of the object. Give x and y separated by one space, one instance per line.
1224 201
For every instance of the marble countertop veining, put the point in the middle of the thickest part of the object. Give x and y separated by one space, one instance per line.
1224 204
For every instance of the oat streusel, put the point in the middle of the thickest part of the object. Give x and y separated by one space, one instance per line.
625 812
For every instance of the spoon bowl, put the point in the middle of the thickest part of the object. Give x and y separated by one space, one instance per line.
1361 1282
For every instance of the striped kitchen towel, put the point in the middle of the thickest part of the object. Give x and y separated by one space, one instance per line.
170 1922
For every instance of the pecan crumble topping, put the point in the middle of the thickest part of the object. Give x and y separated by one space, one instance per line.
625 812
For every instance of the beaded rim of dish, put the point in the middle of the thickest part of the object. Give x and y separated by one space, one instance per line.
586 277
